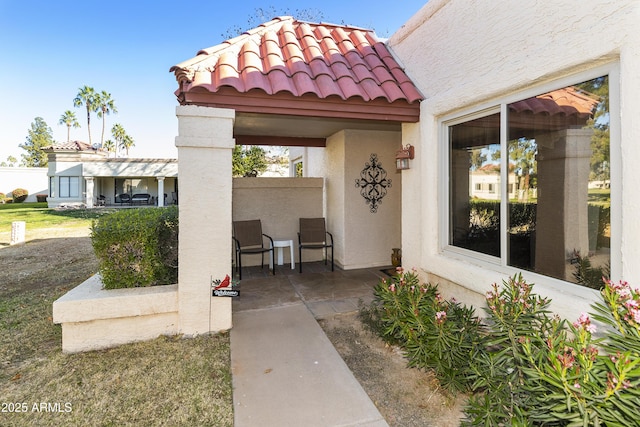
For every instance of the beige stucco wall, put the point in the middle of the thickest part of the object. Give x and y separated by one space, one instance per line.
279 203
362 238
467 56
204 141
93 318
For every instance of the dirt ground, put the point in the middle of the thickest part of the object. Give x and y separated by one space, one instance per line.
404 396
51 257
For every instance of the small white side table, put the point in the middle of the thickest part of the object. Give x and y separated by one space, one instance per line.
279 245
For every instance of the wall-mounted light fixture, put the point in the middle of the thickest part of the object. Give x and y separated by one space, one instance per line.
403 156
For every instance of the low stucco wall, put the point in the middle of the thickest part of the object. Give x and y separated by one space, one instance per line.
93 318
279 203
34 180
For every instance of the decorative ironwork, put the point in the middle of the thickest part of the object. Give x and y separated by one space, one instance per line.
373 183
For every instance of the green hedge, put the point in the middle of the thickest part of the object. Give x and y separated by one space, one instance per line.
137 247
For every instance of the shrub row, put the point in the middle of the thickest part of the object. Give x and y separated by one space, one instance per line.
523 216
522 365
137 247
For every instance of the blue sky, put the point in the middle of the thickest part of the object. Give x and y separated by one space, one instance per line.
49 49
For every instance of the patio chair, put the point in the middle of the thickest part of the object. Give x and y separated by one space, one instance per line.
124 198
249 239
313 235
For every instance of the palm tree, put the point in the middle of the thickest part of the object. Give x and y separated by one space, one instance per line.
109 146
69 118
118 133
104 105
127 142
87 97
122 140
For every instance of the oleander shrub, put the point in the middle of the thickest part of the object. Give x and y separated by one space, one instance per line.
41 198
137 247
434 333
522 365
514 314
19 195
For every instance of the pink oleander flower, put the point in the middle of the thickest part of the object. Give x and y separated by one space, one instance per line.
567 359
392 287
441 316
585 322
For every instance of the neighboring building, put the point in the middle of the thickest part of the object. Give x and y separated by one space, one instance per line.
484 183
80 175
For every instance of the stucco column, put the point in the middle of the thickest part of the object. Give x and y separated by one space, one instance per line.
562 215
205 143
160 191
88 198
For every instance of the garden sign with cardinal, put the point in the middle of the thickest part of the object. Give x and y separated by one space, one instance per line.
224 288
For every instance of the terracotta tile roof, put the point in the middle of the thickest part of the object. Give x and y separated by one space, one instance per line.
70 146
287 56
568 101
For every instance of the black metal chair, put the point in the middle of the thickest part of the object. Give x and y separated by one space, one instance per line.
249 239
313 235
124 198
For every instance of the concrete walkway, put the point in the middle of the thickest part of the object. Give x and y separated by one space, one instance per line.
285 370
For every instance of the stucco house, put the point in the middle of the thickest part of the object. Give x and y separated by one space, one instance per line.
80 174
551 86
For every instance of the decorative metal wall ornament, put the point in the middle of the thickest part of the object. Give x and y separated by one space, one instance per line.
373 183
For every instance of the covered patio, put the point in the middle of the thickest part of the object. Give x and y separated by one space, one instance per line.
334 91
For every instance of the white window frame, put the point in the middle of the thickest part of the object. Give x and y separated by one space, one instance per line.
499 264
69 187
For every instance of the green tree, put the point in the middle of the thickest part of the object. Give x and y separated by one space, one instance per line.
105 105
127 143
522 153
599 89
69 119
109 146
248 160
11 162
121 139
477 159
39 137
87 96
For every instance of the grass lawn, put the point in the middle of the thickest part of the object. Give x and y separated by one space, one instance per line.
167 381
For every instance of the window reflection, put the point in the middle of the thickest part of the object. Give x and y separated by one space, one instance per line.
559 222
558 184
475 184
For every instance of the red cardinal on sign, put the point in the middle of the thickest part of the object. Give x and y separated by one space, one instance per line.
225 283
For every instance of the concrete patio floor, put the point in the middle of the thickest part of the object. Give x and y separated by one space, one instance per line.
285 370
322 291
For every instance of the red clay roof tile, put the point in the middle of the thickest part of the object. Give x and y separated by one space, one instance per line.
300 58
